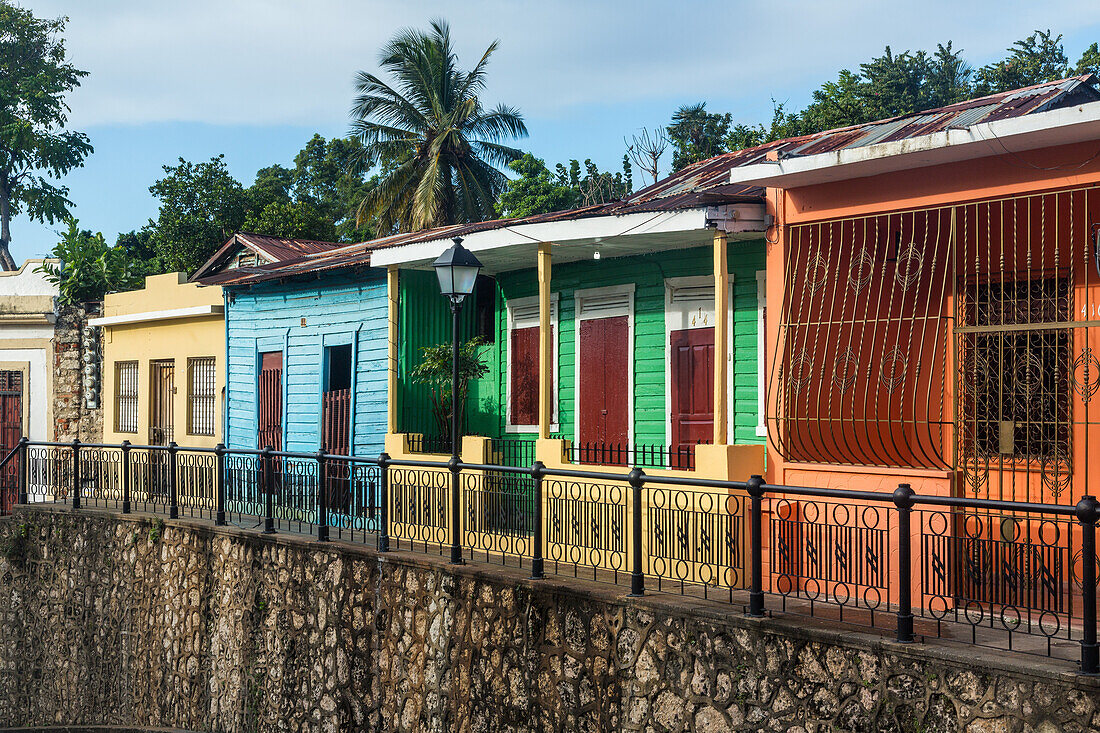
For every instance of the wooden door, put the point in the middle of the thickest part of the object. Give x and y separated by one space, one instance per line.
270 408
162 383
11 429
604 400
692 390
162 375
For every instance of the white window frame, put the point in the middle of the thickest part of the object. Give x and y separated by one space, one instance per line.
761 357
677 317
525 319
583 314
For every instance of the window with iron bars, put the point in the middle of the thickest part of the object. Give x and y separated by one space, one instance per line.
1018 377
200 395
126 396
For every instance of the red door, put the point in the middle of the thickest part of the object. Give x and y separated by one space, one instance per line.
604 381
692 390
270 412
11 429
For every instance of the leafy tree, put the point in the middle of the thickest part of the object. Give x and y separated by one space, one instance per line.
538 190
431 123
34 146
89 268
273 184
1089 63
328 174
1038 58
201 206
139 250
436 370
291 219
535 191
696 134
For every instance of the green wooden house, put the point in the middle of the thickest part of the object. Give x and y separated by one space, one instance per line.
644 358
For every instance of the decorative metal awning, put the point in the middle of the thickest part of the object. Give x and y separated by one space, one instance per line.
955 338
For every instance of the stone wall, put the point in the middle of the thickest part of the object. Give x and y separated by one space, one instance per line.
127 621
72 417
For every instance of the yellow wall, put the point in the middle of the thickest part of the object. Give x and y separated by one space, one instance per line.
167 337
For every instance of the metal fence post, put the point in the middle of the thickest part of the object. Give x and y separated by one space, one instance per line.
173 487
755 487
636 478
76 473
455 465
1088 511
267 486
322 499
537 471
903 499
125 477
383 504
219 485
24 474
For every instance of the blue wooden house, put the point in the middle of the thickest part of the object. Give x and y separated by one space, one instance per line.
305 355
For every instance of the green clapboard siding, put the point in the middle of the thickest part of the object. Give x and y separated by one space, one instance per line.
425 320
648 273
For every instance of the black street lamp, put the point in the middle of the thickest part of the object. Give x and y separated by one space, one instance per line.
457 269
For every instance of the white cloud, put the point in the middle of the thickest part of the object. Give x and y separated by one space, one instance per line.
292 61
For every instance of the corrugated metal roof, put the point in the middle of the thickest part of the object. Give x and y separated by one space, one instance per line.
706 183
273 249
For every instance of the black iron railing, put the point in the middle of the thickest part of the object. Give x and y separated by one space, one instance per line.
644 455
1013 574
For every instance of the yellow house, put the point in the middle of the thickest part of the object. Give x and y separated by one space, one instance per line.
163 363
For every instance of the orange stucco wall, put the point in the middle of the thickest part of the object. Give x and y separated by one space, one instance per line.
975 180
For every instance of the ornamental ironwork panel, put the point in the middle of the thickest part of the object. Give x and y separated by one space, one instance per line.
959 338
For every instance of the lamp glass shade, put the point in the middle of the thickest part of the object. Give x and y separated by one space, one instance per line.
457 270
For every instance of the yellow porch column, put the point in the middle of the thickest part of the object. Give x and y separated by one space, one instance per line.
721 336
392 297
546 348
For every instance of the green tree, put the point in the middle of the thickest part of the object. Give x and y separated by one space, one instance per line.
34 144
696 134
1038 58
291 219
538 190
88 267
436 370
328 174
201 206
535 191
1089 63
447 148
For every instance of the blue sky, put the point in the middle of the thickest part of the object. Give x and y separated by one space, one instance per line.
254 79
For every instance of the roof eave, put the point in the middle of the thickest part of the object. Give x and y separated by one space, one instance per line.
1075 124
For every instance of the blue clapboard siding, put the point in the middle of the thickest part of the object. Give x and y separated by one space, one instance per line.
268 317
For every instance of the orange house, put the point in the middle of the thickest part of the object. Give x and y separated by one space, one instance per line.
936 281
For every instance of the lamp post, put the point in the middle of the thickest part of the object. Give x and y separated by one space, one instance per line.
457 269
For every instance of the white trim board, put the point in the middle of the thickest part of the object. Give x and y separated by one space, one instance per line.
606 302
693 307
524 313
164 315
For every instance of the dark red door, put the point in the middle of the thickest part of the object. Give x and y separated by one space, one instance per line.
692 389
11 429
604 383
270 412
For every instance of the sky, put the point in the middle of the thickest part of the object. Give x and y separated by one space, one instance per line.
254 79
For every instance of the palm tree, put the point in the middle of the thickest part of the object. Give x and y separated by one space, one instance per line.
441 150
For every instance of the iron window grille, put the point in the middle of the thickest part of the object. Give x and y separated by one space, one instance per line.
126 397
200 395
1020 378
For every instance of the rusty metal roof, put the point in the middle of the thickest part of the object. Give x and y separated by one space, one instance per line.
706 183
273 249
